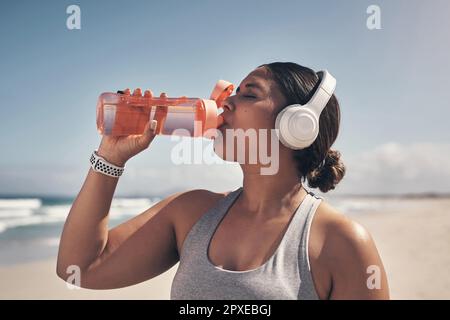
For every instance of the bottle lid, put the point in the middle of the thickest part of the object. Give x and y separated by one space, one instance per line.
210 115
221 91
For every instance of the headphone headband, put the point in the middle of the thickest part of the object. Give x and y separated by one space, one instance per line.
323 93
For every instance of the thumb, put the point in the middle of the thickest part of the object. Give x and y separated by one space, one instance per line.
148 134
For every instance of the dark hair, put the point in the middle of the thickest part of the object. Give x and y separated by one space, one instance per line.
317 163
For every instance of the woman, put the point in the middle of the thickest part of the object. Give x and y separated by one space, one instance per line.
269 239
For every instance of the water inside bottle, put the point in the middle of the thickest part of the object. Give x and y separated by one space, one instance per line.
119 115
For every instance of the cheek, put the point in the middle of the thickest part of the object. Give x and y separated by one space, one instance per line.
254 117
258 115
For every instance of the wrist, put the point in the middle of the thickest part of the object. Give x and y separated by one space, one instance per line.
111 158
103 166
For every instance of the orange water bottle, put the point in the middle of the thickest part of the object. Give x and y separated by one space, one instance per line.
124 114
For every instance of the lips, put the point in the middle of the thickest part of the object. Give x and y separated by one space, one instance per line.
221 121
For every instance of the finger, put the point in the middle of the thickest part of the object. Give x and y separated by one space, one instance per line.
149 134
163 95
137 92
148 93
127 91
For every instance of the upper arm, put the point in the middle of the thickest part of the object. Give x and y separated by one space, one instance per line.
354 262
140 248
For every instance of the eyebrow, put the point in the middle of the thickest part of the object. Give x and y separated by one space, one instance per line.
251 85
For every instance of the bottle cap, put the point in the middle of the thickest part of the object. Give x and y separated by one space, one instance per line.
221 91
210 115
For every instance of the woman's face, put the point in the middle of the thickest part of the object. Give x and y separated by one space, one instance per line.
252 108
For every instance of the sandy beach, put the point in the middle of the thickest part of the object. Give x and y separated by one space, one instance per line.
38 280
413 238
412 235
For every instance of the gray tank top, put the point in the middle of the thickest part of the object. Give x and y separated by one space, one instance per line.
285 276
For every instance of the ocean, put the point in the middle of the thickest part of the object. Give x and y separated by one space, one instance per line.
30 227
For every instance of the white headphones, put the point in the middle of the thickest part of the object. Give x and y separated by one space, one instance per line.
297 126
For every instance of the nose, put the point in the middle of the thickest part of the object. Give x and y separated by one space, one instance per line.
228 104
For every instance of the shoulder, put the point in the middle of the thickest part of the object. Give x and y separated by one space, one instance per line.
188 207
343 237
179 206
196 199
348 253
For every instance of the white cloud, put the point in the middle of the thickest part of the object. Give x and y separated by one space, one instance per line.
396 168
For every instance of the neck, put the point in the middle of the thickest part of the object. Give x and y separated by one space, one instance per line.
271 194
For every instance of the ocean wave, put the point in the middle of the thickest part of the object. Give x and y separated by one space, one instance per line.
56 211
26 221
16 213
32 203
12 213
354 205
115 212
131 202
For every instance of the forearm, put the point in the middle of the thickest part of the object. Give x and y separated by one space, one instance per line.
85 232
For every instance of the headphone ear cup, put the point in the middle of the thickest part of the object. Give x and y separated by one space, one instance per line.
281 130
298 126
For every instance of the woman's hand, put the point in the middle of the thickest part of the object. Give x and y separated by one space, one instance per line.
118 150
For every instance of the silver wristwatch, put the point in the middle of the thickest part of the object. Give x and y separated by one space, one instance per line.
99 164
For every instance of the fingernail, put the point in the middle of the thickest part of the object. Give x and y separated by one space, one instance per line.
153 124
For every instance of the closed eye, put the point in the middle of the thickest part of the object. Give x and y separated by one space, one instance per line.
249 97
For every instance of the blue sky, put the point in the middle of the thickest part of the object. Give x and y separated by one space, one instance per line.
392 84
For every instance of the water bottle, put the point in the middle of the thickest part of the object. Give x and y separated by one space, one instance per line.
123 114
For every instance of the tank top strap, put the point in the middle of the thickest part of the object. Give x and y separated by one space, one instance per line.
301 221
307 287
289 245
305 233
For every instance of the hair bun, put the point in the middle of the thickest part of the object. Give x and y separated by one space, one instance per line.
328 174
